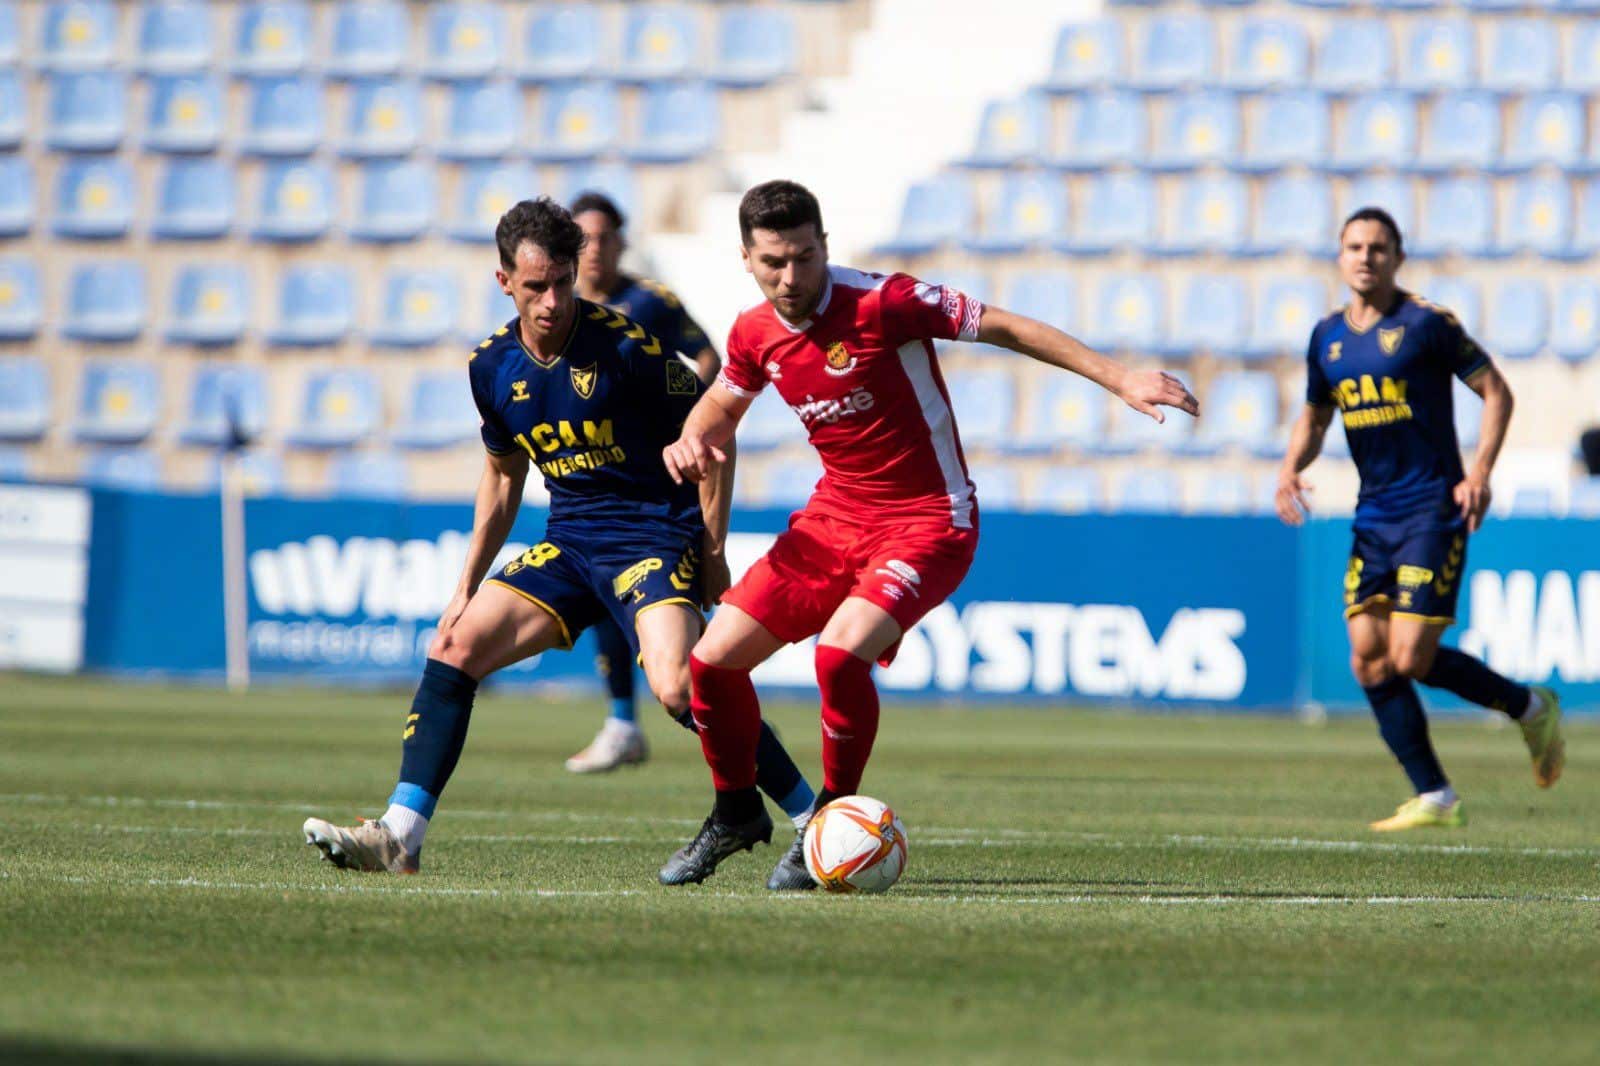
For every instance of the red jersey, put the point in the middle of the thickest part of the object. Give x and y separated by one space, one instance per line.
862 375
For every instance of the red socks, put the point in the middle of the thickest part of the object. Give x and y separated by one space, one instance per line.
724 706
849 718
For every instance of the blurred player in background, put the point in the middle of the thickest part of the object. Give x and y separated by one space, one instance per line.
893 524
1386 361
592 398
620 741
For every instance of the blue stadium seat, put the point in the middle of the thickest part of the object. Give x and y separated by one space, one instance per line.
175 36
1102 129
15 464
1213 316
999 487
1046 295
1585 235
1515 5
14 118
1539 218
21 300
371 38
87 112
1011 132
1519 319
398 201
1088 55
79 35
297 202
1175 52
1296 215
127 469
16 196
184 114
1286 310
1212 214
1380 130
937 211
260 470
1269 53
1521 56
1462 133
1068 490
1120 213
1128 312
1457 217
284 116
1582 41
616 180
986 400
1289 129
1575 323
316 306
485 121
1546 128
10 34
105 301
577 121
1064 410
1201 128
194 200
385 119
678 122
755 46
1459 297
1440 53
24 397
418 308
439 412
1031 209
374 475
1357 58
658 41
1242 409
119 401
272 38
210 304
1394 194
561 42
1224 492
227 405
1147 491
1583 498
1532 501
463 40
338 408
94 199
486 192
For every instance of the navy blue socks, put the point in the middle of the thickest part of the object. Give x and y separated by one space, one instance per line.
1404 728
1472 680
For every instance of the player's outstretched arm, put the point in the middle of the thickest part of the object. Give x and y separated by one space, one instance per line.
709 426
493 512
1305 444
716 508
1472 494
1146 391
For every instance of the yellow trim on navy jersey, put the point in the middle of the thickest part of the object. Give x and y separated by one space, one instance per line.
1487 363
1425 619
572 331
1377 600
566 634
693 606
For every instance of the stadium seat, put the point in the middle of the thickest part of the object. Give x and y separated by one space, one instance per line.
1066 490
484 193
1586 233
371 38
105 301
1046 295
485 121
1269 53
1440 53
936 211
21 300
127 469
1379 130
1457 217
1211 215
1031 209
658 41
94 199
1223 492
175 36
385 119
1462 132
1286 310
1521 55
1120 212
14 118
338 408
1533 501
87 112
1175 52
999 486
1517 5
561 42
375 475
1539 218
284 116
297 202
677 123
1582 48
15 465
1459 297
17 205
316 306
463 40
210 304
1546 128
119 401
1583 497
259 469
755 46
1296 215
1286 129
1128 312
577 121
1088 55
986 403
1147 491
1394 194
1011 132
418 308
184 113
1242 409
10 34
398 201
1357 57
616 180
1518 319
1201 129
1063 410
24 396
1575 323
1214 316
78 35
1102 129
194 200
439 412
227 406
272 38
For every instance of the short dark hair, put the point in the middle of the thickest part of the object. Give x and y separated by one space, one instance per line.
1376 214
543 223
778 205
599 201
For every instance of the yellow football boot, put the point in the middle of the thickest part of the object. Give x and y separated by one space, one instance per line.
1546 745
1418 813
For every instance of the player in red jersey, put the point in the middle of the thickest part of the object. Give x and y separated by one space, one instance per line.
892 526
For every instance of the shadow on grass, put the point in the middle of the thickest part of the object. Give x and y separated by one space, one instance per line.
44 1053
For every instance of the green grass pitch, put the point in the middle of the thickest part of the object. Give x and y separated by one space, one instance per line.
1083 886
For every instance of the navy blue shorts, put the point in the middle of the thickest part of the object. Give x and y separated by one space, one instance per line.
579 581
1409 569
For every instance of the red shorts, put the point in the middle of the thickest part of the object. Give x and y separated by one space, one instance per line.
908 569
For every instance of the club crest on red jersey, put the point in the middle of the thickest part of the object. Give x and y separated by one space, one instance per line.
839 360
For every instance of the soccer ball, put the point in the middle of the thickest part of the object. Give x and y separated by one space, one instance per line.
855 844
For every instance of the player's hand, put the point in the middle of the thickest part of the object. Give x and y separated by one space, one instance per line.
1292 498
453 611
691 459
1472 495
714 579
1147 391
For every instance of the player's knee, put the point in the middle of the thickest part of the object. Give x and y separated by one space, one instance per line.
670 685
456 648
1371 670
1413 661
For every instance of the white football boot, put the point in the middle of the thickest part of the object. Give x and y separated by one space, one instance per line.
617 744
369 847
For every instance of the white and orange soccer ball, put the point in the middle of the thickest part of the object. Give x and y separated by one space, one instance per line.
855 844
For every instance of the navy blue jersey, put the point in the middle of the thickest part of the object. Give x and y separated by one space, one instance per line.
594 419
1392 384
660 312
